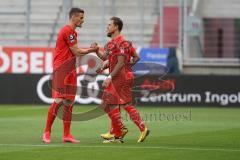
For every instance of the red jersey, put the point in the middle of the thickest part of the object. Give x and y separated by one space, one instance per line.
113 55
64 76
119 90
67 37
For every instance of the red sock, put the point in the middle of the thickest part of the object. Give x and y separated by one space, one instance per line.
52 112
120 123
135 117
67 117
116 122
111 129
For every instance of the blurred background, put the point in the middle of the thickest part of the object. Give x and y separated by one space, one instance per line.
194 39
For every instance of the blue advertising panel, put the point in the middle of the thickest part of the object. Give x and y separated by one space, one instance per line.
156 55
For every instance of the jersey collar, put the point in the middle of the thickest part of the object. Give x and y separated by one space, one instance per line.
118 38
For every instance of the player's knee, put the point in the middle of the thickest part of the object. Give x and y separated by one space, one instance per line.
68 102
58 100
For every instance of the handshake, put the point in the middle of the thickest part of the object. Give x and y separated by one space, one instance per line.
94 46
105 63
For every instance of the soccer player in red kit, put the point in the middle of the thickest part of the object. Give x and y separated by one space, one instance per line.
119 83
64 75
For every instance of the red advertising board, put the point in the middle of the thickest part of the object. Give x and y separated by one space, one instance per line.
26 60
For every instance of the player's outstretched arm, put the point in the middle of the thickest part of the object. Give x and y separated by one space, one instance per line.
80 52
105 66
102 55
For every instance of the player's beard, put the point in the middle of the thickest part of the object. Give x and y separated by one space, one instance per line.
79 26
109 34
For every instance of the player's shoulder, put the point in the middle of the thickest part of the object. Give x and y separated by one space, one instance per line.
121 38
65 28
67 31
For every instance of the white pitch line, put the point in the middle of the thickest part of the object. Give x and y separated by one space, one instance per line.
121 147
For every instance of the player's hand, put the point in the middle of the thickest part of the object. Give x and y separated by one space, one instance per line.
107 81
95 46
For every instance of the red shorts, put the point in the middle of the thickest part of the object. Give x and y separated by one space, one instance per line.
64 87
119 91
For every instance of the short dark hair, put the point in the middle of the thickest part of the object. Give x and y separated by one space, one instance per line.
117 22
74 11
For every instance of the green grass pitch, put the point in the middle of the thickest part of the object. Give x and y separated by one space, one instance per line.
176 133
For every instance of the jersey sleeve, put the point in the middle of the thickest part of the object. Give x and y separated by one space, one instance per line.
128 51
70 37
